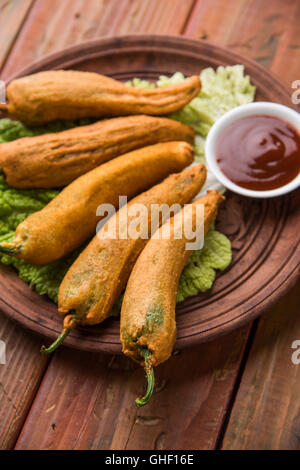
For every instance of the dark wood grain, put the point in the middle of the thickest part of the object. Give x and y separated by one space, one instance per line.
264 233
55 24
20 376
12 16
86 401
266 32
19 379
266 413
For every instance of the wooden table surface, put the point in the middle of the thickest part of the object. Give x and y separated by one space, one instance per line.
240 391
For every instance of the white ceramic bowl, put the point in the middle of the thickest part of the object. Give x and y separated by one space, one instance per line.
260 107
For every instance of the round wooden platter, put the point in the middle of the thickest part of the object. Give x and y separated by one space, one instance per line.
264 233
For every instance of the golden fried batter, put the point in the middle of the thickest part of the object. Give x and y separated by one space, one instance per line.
70 219
98 276
55 160
148 308
69 94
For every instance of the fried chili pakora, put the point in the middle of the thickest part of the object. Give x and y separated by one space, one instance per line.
70 219
148 326
55 160
70 94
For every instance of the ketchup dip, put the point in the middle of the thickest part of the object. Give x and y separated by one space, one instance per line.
259 152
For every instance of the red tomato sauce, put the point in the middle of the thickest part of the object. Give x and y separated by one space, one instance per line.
259 152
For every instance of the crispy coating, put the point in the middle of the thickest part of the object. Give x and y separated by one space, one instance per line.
70 219
98 276
55 160
69 94
148 309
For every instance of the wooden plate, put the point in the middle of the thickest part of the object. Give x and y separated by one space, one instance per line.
264 233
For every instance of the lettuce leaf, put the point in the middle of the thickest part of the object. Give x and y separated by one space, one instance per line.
200 271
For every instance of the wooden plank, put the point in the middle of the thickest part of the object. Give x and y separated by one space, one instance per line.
20 376
286 61
12 16
53 25
87 401
268 34
196 388
19 379
266 413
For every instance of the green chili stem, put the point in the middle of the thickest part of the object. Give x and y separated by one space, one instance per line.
150 380
8 250
56 343
70 321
